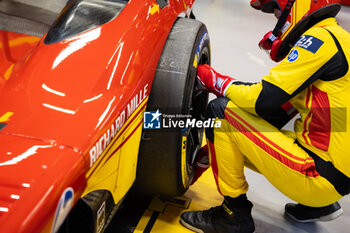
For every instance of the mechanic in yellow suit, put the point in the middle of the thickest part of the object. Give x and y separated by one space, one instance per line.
310 165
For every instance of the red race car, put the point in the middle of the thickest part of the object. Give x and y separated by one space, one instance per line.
83 92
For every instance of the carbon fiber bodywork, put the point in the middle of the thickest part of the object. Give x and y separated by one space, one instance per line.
81 15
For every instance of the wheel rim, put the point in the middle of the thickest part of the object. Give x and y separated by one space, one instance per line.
197 110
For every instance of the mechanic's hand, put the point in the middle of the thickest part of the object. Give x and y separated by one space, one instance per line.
210 80
256 4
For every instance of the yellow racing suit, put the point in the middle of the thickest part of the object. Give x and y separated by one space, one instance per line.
310 165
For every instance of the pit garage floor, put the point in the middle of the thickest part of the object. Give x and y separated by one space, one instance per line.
235 30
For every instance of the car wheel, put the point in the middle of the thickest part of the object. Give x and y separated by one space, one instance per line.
167 155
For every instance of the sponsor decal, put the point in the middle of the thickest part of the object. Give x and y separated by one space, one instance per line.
157 120
108 136
4 118
184 161
101 217
204 38
309 43
293 55
285 27
103 142
63 208
137 100
154 9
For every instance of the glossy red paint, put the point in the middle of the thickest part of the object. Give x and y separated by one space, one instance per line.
345 2
63 97
13 48
29 193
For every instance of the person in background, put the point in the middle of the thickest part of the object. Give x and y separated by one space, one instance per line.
310 165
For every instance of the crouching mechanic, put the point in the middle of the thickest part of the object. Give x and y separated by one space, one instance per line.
310 165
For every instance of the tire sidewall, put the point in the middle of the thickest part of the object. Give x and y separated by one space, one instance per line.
202 43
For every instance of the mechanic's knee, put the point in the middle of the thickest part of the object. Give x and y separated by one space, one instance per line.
215 109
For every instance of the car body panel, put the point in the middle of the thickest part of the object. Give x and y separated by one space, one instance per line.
13 47
123 150
25 195
345 2
77 106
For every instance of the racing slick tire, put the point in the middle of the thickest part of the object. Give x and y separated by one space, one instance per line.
167 155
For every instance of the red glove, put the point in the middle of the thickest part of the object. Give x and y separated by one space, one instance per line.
266 42
271 43
202 163
256 4
210 80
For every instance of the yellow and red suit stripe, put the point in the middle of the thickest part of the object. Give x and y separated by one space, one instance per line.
248 140
316 83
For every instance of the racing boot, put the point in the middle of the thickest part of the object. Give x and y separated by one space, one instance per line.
233 217
202 163
302 213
